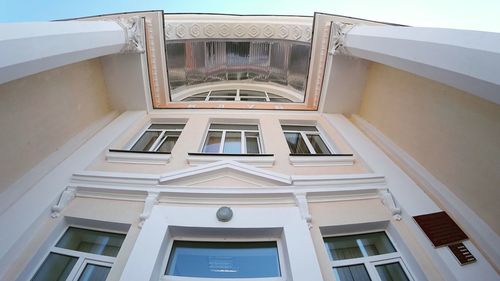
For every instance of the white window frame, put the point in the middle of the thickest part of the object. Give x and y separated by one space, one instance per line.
370 262
237 97
159 140
83 258
281 257
306 140
242 136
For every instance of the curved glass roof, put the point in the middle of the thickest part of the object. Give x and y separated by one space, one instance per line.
279 62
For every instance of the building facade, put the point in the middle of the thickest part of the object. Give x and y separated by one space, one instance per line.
152 146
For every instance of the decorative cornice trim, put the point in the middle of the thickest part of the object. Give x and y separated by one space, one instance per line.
246 27
133 28
314 161
137 158
257 161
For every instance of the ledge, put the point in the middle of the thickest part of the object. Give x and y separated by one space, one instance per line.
258 160
138 157
311 160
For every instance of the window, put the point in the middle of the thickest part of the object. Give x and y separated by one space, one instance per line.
224 259
365 257
81 254
158 138
237 95
232 139
305 140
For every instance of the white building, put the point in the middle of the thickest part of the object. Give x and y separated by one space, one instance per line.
150 146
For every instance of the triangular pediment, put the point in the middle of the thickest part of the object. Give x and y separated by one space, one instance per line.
225 174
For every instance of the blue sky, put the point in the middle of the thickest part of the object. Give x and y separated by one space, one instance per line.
465 14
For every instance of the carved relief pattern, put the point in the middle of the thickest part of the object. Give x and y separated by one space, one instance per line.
153 64
322 55
297 32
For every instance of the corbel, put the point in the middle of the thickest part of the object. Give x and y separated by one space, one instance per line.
66 196
149 202
388 200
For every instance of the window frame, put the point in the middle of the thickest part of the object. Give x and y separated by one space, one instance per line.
159 140
279 246
212 96
303 134
243 149
83 258
369 262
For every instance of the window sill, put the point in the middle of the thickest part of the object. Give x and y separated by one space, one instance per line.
258 160
137 157
312 160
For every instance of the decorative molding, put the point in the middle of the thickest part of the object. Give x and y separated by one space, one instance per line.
388 201
134 34
339 33
479 231
66 196
152 54
316 161
137 158
257 161
301 201
149 202
175 30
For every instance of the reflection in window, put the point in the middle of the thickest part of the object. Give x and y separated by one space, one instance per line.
159 138
224 259
365 257
304 140
237 95
71 253
232 139
194 62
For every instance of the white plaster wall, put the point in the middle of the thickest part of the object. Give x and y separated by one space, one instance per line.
40 113
452 134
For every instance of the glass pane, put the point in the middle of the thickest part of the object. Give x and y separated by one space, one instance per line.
169 142
248 93
318 144
211 98
299 128
94 272
253 99
355 246
56 267
223 93
204 95
224 260
146 141
234 127
279 100
91 241
351 273
296 143
232 143
252 143
213 142
194 99
167 126
391 272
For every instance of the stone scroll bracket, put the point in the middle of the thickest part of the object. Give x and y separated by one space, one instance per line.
388 200
66 196
134 34
149 202
301 201
338 34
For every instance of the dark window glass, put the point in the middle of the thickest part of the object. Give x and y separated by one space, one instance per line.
296 143
351 273
94 272
146 141
318 144
391 272
299 128
355 246
91 241
224 259
56 267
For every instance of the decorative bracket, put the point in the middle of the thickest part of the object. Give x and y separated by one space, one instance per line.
388 201
134 34
339 33
301 201
66 196
149 202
